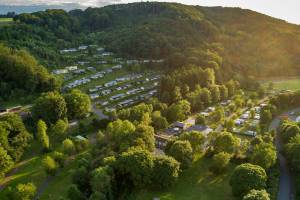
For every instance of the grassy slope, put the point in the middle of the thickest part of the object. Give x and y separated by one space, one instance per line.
197 183
292 83
30 169
5 21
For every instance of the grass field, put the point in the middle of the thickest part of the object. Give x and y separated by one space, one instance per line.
292 83
5 21
30 169
197 183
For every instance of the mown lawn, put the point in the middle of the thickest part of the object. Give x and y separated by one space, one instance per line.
285 83
30 169
59 185
5 21
197 183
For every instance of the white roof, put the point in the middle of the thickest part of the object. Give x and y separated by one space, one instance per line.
79 137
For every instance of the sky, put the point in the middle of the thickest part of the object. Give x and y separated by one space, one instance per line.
288 10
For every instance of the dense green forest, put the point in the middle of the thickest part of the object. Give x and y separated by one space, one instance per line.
22 75
237 40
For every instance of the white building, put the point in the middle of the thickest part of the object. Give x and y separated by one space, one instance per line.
82 47
60 71
117 67
72 68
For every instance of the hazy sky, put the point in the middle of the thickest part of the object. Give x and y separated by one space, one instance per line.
285 9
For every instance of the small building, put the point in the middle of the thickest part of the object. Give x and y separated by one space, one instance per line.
83 62
105 92
107 54
245 116
152 92
239 122
263 105
110 109
257 116
100 49
80 138
133 91
94 96
91 68
82 47
250 133
210 109
254 123
161 141
72 68
205 114
68 50
117 67
111 83
79 71
180 125
203 129
126 103
132 62
60 71
116 97
104 103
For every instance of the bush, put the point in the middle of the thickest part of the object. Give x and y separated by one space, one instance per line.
247 177
81 145
264 155
257 195
68 146
220 162
50 166
59 158
165 171
59 128
200 119
182 151
5 161
74 193
22 192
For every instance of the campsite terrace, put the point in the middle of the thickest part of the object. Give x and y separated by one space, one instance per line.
106 79
245 125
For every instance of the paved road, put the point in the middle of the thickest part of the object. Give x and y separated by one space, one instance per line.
98 112
286 185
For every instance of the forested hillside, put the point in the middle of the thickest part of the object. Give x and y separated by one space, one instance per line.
231 39
22 75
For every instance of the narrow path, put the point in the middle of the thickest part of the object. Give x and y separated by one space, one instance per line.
42 187
8 177
286 185
98 112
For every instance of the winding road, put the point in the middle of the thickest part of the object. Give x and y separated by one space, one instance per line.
286 185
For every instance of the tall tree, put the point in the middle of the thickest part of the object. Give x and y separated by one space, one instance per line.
50 107
5 161
42 134
247 177
78 104
182 151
